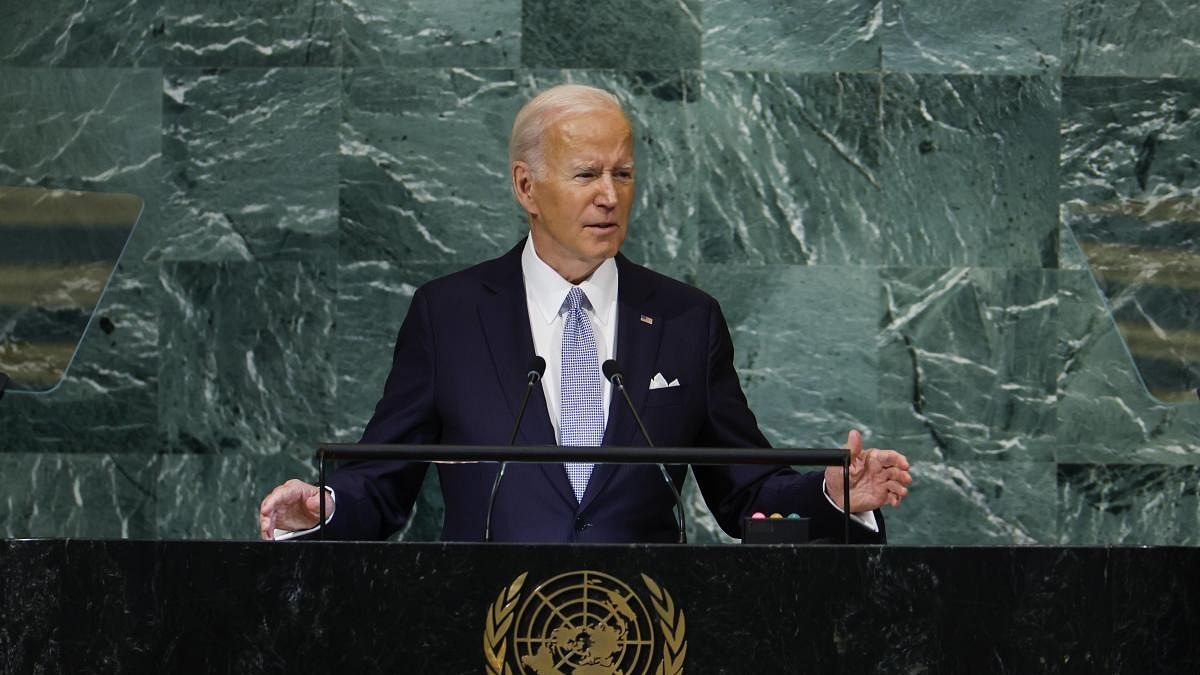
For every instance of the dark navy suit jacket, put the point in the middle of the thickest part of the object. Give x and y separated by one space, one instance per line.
458 375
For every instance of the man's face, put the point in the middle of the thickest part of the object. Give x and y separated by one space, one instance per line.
579 208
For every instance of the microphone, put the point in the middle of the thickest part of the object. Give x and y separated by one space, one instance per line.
612 372
3 384
537 366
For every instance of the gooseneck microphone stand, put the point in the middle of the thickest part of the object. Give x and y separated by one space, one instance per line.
614 375
536 368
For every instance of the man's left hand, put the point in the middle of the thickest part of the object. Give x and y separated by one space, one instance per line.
877 477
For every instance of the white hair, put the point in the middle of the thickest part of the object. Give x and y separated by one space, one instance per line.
543 110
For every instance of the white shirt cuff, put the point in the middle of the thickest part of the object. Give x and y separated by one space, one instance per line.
284 535
866 519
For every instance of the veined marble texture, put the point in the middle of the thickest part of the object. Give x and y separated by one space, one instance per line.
622 34
1129 504
1131 198
968 369
258 33
1134 38
250 164
834 35
418 33
82 33
869 169
424 170
969 171
86 129
971 36
94 495
246 361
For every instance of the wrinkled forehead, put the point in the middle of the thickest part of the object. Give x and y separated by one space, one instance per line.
605 131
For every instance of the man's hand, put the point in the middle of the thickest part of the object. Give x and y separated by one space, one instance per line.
292 506
877 477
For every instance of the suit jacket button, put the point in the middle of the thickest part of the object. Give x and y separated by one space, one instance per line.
581 524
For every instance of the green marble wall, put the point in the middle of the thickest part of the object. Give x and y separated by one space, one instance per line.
969 231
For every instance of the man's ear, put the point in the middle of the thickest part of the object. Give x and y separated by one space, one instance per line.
522 185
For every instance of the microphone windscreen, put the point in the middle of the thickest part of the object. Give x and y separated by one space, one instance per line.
611 370
536 367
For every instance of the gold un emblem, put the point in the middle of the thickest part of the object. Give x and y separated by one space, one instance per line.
583 623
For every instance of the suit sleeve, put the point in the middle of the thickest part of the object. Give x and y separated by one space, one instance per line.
375 498
734 492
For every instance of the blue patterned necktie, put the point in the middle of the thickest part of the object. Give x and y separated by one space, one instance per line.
581 417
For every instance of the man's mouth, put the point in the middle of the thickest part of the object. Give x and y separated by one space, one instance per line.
602 226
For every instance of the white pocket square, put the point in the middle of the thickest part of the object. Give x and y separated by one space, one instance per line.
659 382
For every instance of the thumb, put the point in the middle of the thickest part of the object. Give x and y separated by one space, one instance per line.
854 444
313 505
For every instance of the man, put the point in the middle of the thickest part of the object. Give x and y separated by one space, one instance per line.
567 295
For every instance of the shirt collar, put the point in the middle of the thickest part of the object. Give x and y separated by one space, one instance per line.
547 289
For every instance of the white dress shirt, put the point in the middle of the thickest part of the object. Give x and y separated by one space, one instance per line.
545 291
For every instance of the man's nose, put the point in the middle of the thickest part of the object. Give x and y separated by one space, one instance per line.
606 192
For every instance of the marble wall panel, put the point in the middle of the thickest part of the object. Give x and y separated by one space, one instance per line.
831 36
805 347
424 171
790 168
246 363
1131 160
83 129
977 502
251 164
56 495
969 171
423 175
259 33
1105 414
69 33
217 496
424 33
1132 504
972 36
623 34
968 366
1133 38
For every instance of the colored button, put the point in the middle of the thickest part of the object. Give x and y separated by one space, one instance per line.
776 516
794 515
758 515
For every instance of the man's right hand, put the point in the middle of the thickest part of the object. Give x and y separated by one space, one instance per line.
292 506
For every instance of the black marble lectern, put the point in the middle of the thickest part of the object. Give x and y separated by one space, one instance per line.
241 607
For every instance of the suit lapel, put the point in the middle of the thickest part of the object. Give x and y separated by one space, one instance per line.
637 351
504 320
511 345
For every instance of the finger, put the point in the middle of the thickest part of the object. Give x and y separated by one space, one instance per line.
854 443
266 527
889 457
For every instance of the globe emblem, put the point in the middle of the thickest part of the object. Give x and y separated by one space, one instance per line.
584 623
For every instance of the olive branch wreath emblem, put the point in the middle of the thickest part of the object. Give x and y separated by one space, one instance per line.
499 620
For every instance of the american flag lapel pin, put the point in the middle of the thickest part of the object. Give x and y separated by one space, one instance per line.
648 320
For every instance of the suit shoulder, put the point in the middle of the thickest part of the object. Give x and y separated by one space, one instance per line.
489 273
